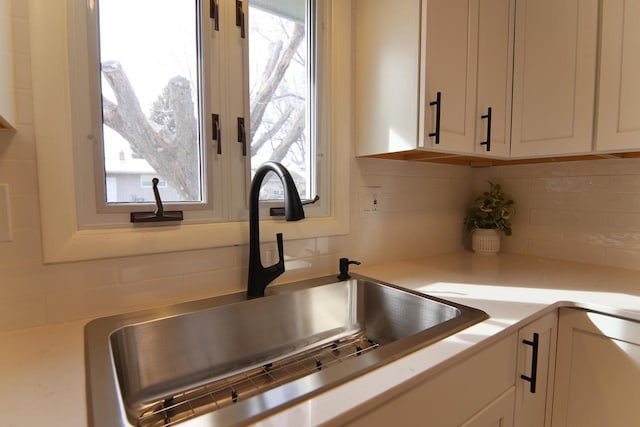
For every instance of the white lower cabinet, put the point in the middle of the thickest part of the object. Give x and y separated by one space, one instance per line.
598 370
498 414
476 392
534 377
569 368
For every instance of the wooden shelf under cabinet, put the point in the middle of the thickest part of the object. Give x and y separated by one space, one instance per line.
455 159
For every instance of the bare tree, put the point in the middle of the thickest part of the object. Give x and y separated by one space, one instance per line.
167 139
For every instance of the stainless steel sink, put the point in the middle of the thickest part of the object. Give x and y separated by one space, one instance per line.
233 361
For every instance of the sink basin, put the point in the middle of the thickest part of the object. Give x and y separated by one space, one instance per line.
233 360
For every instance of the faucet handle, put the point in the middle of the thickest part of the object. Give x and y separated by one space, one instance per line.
344 268
280 262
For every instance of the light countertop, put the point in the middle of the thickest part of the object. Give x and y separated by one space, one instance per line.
42 369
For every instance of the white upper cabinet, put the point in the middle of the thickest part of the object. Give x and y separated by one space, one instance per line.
387 57
494 77
450 50
556 44
7 87
468 53
428 73
402 66
618 126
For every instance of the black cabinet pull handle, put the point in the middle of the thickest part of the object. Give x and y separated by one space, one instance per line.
240 21
214 13
438 104
242 135
217 132
534 363
488 141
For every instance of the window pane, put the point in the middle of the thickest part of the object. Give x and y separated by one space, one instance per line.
150 99
280 65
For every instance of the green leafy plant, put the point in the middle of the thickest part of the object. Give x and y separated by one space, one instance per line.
491 210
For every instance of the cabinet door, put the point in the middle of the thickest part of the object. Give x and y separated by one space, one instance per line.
387 63
495 70
447 399
554 77
598 370
7 86
497 414
450 50
619 96
533 405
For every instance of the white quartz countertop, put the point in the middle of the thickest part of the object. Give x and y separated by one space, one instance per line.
42 369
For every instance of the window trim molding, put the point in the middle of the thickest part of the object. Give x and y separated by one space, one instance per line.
64 242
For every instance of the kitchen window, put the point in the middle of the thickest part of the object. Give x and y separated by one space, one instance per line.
200 101
78 219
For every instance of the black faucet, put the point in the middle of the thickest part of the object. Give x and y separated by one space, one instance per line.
259 276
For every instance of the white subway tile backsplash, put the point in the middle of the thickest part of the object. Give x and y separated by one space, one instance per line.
22 71
623 258
24 213
172 264
566 251
19 145
24 109
22 313
620 221
610 202
21 175
20 9
568 219
21 37
22 282
570 184
583 211
22 251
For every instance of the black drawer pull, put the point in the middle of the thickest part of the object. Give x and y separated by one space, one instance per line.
488 141
534 363
438 104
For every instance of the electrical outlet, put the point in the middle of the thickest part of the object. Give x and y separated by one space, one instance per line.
5 214
370 201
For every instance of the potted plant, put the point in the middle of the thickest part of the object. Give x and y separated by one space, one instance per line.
487 217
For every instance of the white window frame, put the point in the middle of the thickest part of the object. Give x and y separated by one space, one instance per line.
87 123
64 241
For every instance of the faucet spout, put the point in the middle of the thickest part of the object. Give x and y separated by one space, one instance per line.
260 276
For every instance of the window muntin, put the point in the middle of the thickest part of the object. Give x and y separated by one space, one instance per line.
149 54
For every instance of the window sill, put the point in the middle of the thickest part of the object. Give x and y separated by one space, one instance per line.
95 244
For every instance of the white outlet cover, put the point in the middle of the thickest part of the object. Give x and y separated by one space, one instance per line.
370 201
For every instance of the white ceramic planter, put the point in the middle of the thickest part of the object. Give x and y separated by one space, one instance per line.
485 241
